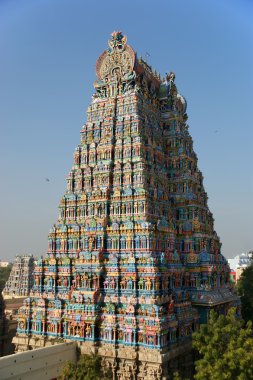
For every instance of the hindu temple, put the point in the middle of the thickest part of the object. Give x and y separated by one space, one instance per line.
21 279
133 262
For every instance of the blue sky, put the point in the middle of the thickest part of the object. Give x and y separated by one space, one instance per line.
48 51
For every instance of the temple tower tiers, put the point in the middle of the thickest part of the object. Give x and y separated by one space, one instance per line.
133 263
20 281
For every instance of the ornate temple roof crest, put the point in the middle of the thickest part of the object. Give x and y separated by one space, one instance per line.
119 59
117 41
119 71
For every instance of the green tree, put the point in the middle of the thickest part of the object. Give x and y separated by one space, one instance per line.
88 367
225 349
4 275
245 291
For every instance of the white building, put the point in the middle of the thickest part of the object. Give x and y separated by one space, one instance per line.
241 261
4 264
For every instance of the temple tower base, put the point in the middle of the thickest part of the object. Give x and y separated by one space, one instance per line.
126 362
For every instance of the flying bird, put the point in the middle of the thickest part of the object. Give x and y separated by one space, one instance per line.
47 180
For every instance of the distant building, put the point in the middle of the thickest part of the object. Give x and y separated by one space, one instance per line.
8 329
4 264
239 263
11 307
233 276
2 325
20 280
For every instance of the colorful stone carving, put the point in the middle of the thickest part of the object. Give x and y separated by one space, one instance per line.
133 260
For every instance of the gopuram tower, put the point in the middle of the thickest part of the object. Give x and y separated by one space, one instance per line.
133 263
20 281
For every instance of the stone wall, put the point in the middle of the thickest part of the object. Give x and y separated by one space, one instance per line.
43 363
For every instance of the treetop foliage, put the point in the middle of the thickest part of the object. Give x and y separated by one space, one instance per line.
225 348
4 275
245 291
88 367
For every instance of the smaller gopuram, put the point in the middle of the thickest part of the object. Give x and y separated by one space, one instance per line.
20 281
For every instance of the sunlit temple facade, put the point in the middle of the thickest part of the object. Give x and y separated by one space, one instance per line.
133 263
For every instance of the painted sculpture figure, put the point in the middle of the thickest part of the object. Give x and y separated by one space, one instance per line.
133 263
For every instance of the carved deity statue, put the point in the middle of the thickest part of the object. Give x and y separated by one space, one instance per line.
91 242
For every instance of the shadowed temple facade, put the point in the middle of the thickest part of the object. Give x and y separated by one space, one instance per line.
133 263
2 325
